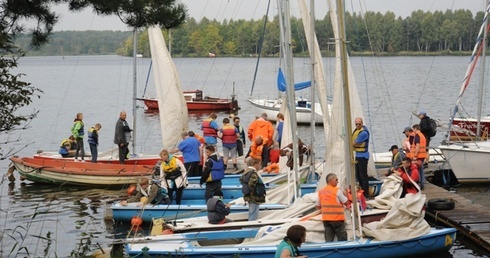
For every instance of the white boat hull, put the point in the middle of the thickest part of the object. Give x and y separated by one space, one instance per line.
272 107
469 161
383 159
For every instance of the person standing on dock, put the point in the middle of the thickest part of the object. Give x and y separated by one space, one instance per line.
419 152
78 132
122 136
360 142
241 141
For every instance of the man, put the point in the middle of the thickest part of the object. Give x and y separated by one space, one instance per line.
360 140
408 132
210 130
396 159
426 131
288 151
189 147
214 171
261 126
217 210
419 151
409 172
229 136
241 141
122 137
253 188
331 201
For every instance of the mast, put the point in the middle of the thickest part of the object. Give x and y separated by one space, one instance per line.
350 170
135 30
482 81
291 101
313 86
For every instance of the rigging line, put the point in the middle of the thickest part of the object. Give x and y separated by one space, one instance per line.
147 78
260 47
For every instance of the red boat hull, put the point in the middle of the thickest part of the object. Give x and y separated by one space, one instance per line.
195 102
469 128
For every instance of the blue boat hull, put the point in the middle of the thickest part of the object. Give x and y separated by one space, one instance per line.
437 240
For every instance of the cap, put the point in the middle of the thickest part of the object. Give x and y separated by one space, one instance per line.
421 112
393 147
408 128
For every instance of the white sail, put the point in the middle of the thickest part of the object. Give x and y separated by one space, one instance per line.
171 102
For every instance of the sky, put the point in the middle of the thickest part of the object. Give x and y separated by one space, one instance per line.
255 9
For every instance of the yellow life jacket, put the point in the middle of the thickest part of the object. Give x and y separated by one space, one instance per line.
363 146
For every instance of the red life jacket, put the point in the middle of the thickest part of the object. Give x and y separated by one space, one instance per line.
229 134
207 130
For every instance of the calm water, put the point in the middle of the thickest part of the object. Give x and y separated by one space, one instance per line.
101 87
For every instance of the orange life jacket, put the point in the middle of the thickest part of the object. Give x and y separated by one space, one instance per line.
331 209
422 154
256 151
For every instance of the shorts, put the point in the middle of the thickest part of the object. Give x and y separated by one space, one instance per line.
227 152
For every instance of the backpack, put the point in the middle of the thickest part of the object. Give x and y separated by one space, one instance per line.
433 127
259 189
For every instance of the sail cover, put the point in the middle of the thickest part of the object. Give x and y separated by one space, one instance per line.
281 83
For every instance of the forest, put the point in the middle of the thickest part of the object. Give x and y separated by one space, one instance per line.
422 33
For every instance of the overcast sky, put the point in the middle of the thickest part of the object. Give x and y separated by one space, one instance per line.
254 9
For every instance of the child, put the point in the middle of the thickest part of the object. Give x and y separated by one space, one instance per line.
93 141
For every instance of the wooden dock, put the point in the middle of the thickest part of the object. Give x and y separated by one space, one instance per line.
470 219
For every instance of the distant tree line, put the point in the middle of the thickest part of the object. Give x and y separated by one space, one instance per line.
384 34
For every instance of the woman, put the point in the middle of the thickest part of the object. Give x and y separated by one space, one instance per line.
279 127
295 236
173 175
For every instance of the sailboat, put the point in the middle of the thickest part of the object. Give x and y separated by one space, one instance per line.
54 169
470 160
262 242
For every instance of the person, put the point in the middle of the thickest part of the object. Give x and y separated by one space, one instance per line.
152 192
213 172
425 130
288 151
122 137
68 147
274 153
288 247
331 201
78 131
256 149
279 127
409 172
241 141
408 132
93 141
229 135
250 181
173 175
261 126
210 129
217 210
396 159
202 143
419 152
360 140
189 147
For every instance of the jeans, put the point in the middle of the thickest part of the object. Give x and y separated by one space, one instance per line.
93 152
253 211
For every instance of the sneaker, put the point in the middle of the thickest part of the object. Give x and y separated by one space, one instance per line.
76 160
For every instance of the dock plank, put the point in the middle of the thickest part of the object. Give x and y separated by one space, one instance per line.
469 218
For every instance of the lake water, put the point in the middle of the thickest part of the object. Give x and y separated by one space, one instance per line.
68 219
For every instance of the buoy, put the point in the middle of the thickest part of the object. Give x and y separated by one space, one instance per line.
136 221
132 190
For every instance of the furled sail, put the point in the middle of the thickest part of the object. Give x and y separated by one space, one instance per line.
281 83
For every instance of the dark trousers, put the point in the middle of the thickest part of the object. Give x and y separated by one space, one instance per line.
123 151
265 156
239 148
178 194
193 168
93 152
362 175
80 149
211 187
335 228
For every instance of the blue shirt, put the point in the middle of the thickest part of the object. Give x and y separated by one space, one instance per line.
363 137
190 149
211 139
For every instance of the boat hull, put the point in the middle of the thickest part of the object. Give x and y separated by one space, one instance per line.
195 101
187 244
383 159
468 128
272 108
79 173
147 160
459 156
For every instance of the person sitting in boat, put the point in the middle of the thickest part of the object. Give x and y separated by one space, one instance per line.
263 127
295 236
288 152
396 159
409 172
68 147
173 175
217 210
213 172
148 193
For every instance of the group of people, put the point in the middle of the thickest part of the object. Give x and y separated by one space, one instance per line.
73 145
